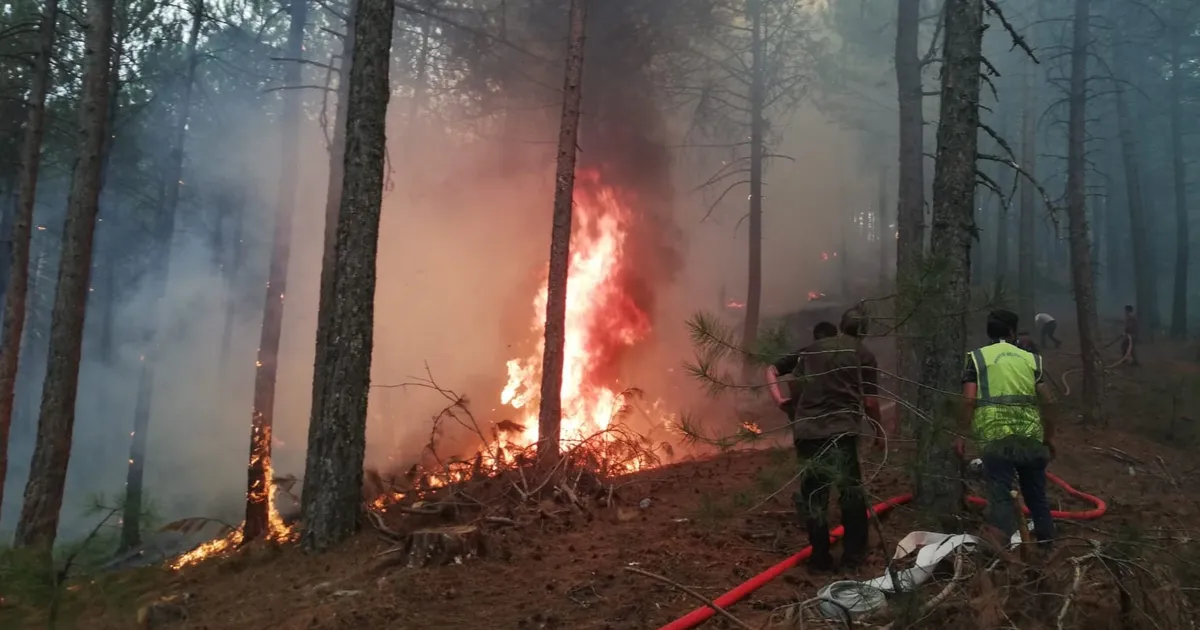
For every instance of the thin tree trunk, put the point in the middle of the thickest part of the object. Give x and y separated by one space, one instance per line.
231 273
1027 235
38 525
258 482
1080 249
337 435
1115 279
105 265
550 412
1179 298
1144 278
910 201
164 231
757 130
943 320
22 232
420 89
881 229
333 200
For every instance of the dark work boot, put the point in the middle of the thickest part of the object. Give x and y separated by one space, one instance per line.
821 560
820 564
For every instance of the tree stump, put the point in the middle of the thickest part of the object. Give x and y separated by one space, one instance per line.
442 545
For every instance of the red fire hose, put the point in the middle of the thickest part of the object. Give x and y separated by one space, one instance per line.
698 616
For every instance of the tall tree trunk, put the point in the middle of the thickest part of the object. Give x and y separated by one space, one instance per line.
757 130
1144 279
164 230
38 525
106 265
1179 297
1027 235
259 487
420 87
333 200
550 412
942 318
1080 249
910 201
881 229
22 231
232 272
1115 280
337 432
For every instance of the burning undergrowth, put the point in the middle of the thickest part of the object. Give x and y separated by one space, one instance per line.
608 428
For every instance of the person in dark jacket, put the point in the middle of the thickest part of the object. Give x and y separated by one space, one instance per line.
836 389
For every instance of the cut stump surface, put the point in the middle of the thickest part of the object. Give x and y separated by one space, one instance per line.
442 545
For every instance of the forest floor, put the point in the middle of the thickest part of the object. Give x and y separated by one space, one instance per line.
710 525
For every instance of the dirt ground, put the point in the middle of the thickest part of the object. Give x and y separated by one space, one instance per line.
710 524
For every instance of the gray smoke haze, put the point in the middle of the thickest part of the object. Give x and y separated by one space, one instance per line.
464 238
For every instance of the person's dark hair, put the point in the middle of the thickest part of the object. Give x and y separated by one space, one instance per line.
1128 308
1001 324
854 322
823 330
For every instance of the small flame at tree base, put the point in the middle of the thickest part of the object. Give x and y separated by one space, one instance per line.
277 529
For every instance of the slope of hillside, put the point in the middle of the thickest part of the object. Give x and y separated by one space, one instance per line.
707 524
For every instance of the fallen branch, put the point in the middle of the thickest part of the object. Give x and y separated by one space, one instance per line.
707 602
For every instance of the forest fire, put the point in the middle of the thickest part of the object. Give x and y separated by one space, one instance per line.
277 529
602 321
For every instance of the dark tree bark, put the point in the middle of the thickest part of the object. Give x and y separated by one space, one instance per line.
106 265
754 10
1026 235
333 200
1179 297
337 433
942 318
1080 248
550 412
38 525
21 234
262 417
1144 278
164 230
910 202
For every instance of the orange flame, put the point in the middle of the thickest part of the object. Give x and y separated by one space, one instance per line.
602 320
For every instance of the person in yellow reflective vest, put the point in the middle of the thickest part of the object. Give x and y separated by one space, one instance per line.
1004 391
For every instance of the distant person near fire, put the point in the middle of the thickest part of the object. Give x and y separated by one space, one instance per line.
1047 324
835 386
787 365
1129 341
1003 392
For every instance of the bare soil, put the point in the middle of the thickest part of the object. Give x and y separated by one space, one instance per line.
710 524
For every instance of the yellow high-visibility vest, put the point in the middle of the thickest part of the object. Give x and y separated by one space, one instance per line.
1006 404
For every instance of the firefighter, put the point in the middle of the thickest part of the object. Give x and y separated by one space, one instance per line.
835 387
1047 324
1003 391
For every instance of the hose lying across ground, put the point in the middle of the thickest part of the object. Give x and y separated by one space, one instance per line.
1128 354
698 616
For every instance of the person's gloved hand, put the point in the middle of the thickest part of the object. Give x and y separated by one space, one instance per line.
1050 447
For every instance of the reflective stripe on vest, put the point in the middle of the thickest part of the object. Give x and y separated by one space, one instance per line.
1006 404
